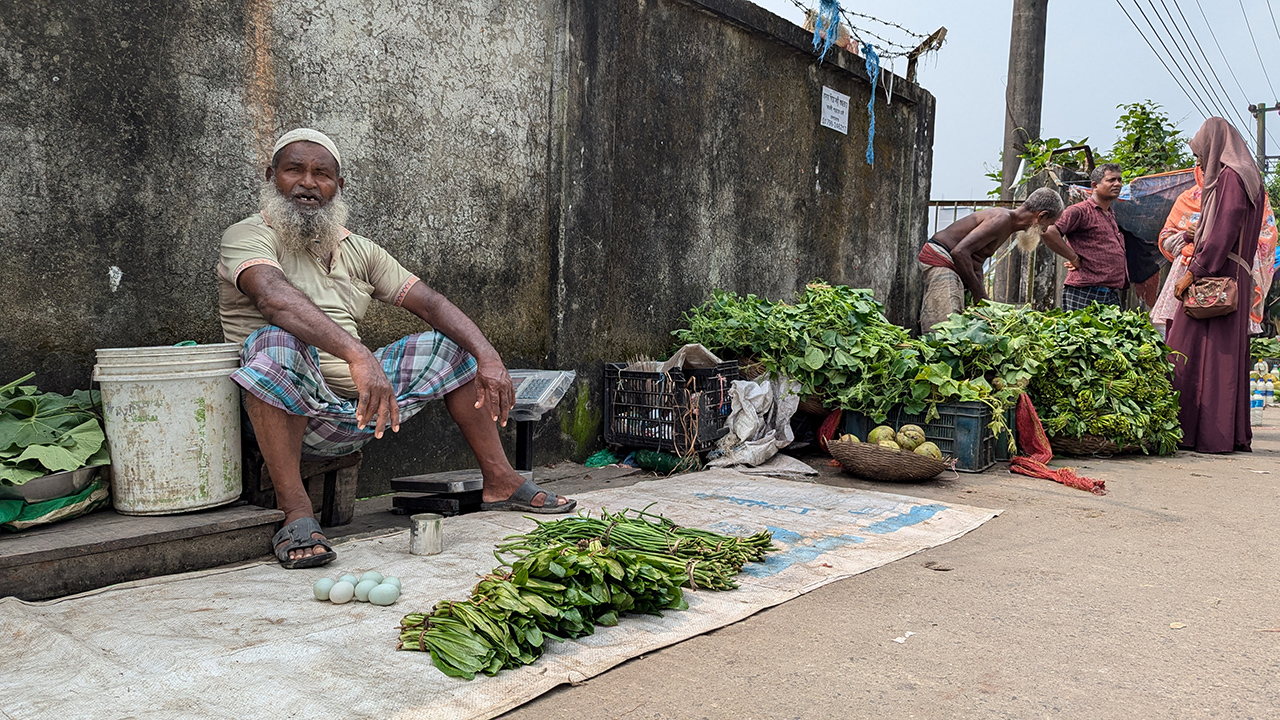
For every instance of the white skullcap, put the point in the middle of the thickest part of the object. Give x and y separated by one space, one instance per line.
308 135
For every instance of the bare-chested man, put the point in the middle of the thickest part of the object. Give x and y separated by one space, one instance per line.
952 259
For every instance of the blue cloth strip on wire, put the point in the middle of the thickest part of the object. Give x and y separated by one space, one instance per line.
826 27
873 73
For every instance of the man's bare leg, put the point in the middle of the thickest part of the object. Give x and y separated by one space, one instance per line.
477 426
280 440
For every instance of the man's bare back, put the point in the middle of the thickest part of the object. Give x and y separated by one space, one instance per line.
973 239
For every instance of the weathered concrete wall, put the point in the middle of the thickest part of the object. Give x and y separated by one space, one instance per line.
573 173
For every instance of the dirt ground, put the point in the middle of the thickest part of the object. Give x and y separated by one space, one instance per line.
1156 600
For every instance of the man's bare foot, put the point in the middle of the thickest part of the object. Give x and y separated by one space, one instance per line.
502 488
303 552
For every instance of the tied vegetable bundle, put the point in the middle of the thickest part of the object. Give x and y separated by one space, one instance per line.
1106 373
1264 348
568 576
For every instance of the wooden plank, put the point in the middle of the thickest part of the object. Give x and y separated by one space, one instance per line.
108 531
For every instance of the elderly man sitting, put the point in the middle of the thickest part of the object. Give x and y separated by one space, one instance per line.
293 285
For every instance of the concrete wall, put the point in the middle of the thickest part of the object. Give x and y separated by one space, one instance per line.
572 173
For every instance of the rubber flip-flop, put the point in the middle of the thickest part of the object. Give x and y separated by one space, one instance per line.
522 501
297 536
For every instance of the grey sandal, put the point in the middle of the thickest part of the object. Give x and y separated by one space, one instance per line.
297 536
522 501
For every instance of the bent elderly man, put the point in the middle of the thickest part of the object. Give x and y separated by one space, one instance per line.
952 259
293 285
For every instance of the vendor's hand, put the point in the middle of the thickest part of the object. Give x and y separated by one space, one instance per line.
494 389
1073 265
377 400
1184 282
1191 232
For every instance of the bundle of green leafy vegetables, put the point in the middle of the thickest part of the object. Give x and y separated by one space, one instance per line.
1264 348
1098 371
1106 373
43 433
569 575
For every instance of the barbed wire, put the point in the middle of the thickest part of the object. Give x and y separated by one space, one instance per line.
885 47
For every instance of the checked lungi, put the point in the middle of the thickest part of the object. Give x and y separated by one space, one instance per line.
284 372
1079 298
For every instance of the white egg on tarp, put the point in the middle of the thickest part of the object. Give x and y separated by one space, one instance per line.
362 590
393 581
322 587
341 592
384 594
373 575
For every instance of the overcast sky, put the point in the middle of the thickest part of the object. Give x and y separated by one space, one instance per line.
1094 61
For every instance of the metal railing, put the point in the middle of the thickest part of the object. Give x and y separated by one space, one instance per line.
952 210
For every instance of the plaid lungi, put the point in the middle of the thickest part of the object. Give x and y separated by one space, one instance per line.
1079 298
283 371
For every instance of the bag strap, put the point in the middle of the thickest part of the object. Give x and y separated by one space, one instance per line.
1247 267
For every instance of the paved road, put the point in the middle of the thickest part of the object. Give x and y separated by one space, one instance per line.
1148 602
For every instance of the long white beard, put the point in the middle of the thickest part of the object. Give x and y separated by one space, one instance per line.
1028 240
299 229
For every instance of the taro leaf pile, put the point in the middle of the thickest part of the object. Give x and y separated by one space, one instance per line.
1264 348
43 433
568 576
1106 373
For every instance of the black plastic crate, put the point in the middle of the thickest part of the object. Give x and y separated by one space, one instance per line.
684 412
961 431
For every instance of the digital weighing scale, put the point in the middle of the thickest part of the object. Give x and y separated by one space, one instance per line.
457 492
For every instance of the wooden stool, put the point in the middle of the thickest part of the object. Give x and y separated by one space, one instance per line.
331 484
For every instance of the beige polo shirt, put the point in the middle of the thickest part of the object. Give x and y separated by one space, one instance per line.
361 271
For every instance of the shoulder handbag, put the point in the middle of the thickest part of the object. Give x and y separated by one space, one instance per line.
1211 297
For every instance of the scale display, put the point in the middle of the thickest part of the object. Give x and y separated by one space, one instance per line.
538 391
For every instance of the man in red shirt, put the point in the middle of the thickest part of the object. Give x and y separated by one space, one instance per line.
1098 272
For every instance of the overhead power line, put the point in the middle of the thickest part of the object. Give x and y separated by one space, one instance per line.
1196 38
1225 61
1261 62
1195 101
1197 73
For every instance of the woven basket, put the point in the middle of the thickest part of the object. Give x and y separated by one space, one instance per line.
813 406
1089 445
750 368
876 463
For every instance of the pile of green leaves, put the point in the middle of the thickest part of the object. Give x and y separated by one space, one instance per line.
1106 372
1264 348
833 340
568 576
42 433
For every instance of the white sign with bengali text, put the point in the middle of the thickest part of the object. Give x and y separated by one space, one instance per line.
835 110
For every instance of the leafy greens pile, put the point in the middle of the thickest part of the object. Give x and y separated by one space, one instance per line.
1097 371
568 576
835 341
42 433
1264 348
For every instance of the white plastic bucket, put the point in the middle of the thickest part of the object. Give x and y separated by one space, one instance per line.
138 367
174 433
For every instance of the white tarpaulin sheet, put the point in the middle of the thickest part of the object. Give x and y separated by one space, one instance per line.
251 642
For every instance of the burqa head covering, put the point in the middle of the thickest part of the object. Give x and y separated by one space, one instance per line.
309 135
1218 145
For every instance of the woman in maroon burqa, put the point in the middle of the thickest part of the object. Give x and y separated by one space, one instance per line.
1211 359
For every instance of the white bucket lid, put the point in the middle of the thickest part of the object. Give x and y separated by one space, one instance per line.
167 351
166 368
174 376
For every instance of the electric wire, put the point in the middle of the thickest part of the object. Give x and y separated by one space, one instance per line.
1196 37
1201 77
1248 26
1226 62
1273 19
1195 102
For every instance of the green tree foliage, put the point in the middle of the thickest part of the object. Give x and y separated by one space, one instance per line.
1149 142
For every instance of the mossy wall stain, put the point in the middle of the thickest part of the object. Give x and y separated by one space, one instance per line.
581 423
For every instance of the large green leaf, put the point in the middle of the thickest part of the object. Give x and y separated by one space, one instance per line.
71 451
10 475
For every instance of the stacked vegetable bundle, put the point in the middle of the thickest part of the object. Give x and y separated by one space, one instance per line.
568 576
1106 373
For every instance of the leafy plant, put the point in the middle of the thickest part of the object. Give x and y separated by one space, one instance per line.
1264 348
1040 154
1149 142
42 433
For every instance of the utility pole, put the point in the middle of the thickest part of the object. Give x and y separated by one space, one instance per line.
1023 96
1260 114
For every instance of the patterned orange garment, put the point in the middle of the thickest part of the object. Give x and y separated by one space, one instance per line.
1186 214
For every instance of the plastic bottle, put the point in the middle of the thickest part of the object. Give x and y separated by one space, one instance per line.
1269 392
1255 408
